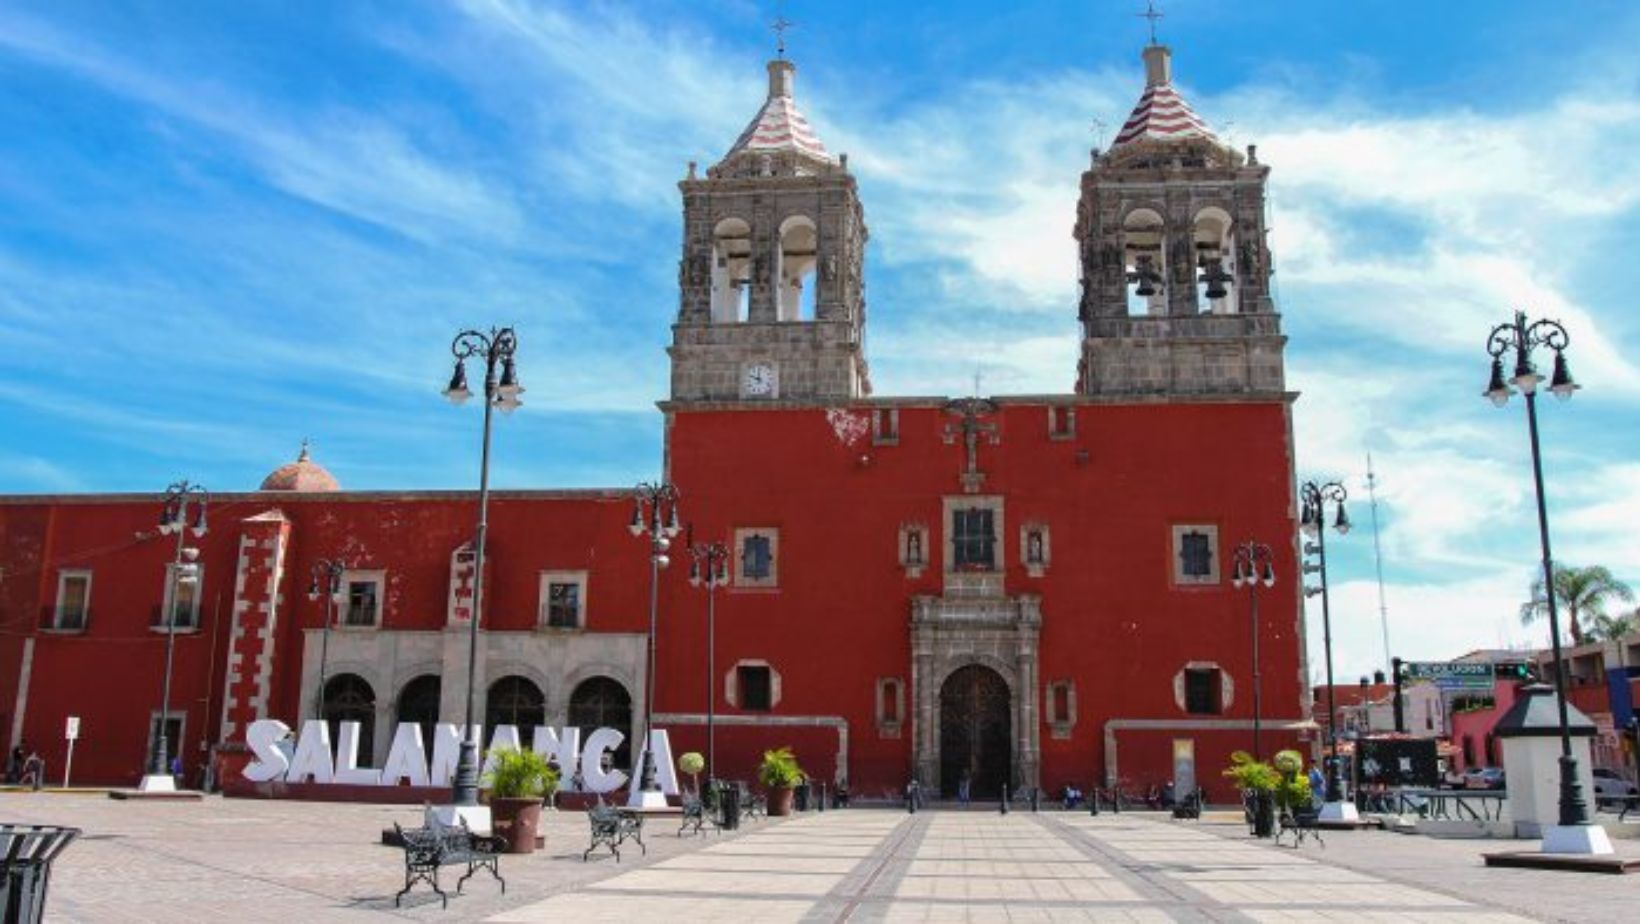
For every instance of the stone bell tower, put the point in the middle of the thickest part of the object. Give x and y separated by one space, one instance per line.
771 302
1175 265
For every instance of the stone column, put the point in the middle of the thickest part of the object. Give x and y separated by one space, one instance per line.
248 680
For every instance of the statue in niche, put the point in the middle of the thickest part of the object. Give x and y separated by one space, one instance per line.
1033 547
830 267
913 547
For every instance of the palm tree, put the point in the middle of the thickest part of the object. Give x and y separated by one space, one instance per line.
1610 628
1581 593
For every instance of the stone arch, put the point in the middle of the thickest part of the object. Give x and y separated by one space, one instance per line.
797 251
976 732
731 270
418 702
517 700
1144 259
602 701
349 697
1213 234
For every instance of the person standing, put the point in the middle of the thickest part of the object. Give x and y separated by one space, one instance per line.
34 771
963 787
1318 785
14 766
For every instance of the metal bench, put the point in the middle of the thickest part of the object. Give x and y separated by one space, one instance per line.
752 804
427 849
696 817
611 828
1300 824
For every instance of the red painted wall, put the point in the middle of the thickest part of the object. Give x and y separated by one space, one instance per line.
1113 621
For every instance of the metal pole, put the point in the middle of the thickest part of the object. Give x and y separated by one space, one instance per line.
1333 789
655 549
466 781
1252 595
1573 809
160 764
711 668
324 644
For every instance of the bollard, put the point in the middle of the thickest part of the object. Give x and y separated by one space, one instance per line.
822 806
1003 808
1093 801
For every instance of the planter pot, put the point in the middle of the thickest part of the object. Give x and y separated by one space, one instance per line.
780 800
518 820
1264 814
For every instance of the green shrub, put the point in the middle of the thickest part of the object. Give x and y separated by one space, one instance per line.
516 774
1248 773
779 769
692 763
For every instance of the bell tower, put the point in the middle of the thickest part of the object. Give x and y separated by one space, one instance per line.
771 300
1175 266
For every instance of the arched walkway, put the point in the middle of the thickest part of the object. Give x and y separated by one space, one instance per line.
349 698
601 702
418 703
515 700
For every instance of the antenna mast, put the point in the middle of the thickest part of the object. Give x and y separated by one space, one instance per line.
1378 561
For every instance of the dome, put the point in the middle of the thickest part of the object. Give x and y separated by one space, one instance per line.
302 475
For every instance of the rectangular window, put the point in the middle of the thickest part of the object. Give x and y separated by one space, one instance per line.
182 593
364 598
73 601
1060 707
1195 554
563 599
888 701
756 691
885 426
972 539
1201 691
1061 423
757 552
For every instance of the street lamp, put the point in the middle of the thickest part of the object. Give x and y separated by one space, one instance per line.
1576 832
333 593
179 498
1312 519
655 513
1253 567
495 349
710 565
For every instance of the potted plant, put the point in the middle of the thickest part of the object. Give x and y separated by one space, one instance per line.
1257 781
518 782
778 773
1293 791
692 763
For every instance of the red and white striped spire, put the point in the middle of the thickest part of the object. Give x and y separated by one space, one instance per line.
1162 114
779 126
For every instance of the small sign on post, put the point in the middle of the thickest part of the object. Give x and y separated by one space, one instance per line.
72 733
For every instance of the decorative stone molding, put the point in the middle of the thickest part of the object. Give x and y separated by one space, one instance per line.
1177 548
1061 709
1227 686
742 579
731 682
890 700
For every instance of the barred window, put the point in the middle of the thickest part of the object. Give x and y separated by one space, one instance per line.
973 540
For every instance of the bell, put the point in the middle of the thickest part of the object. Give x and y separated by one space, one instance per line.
1215 277
1145 273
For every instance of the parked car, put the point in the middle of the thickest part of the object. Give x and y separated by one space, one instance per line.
1483 778
1610 788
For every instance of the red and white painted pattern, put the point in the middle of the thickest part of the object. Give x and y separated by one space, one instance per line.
780 127
249 677
1162 115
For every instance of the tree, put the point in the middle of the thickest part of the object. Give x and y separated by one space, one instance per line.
1610 628
1581 594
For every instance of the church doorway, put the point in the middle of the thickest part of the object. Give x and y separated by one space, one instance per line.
975 732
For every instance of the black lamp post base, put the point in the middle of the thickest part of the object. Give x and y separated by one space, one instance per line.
1573 809
464 791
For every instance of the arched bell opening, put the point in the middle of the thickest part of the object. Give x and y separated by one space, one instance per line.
731 271
1144 259
799 248
1214 238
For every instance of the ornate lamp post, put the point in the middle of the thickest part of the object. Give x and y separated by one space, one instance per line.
710 566
331 571
1575 833
655 513
174 519
1253 566
496 350
1312 519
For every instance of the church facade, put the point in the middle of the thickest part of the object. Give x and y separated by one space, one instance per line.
1032 590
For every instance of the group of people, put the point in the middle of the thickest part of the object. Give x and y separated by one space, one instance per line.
26 767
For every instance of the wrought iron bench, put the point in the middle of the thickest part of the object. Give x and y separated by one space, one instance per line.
611 828
427 849
1300 824
752 803
696 816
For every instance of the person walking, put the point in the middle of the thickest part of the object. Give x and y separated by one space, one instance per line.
1318 786
963 787
34 771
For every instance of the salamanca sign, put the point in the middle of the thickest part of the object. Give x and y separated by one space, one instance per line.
313 759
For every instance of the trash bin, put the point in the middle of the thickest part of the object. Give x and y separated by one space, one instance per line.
729 805
26 853
801 794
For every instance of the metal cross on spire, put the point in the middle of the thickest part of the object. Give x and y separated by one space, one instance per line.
779 27
1152 14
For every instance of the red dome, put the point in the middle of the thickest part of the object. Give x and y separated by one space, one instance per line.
301 475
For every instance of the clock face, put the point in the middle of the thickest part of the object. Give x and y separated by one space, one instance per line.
758 380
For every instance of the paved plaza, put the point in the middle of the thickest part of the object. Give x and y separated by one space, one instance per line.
286 861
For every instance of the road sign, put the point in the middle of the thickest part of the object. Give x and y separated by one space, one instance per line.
1448 675
73 731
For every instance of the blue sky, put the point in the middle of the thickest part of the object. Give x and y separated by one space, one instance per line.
227 227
